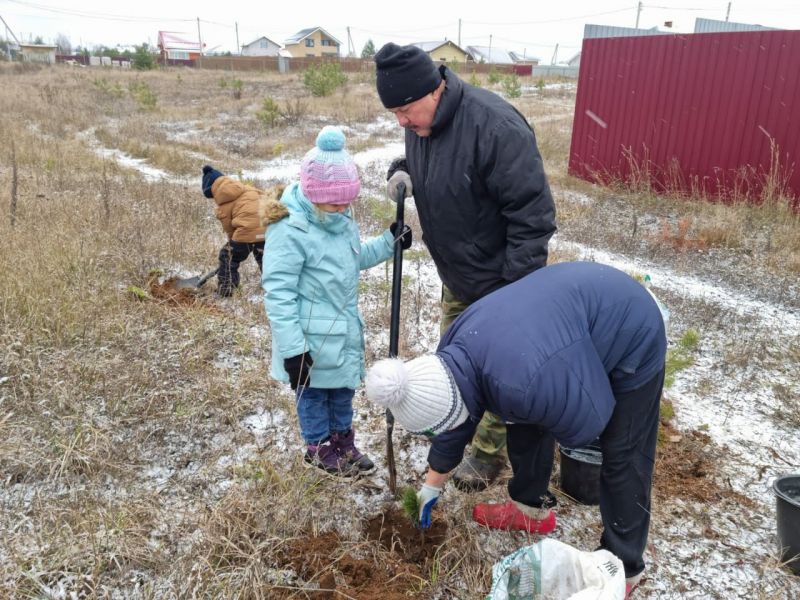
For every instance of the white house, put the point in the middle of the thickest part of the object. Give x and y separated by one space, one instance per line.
263 46
41 53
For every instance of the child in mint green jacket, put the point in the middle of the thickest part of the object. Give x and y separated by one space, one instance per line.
311 297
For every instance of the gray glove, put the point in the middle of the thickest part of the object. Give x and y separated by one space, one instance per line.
395 180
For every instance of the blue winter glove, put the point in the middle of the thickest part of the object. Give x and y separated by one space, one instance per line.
427 498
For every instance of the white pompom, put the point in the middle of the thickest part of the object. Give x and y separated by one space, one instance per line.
386 382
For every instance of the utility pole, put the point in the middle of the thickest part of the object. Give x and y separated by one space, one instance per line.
238 47
490 48
728 13
351 49
638 12
11 33
555 56
199 37
459 33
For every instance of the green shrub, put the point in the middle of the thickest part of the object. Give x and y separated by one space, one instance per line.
494 76
144 96
143 59
104 86
270 113
323 79
474 80
540 84
236 86
294 110
511 86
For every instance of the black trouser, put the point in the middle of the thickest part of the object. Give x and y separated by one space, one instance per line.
629 453
230 256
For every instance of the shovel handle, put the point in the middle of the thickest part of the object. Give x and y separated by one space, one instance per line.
394 326
397 274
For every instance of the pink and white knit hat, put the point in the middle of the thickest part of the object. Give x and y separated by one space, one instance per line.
328 174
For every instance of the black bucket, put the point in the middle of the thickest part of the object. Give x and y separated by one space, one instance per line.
580 473
787 493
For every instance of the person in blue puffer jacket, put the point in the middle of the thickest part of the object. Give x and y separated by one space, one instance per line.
573 351
311 298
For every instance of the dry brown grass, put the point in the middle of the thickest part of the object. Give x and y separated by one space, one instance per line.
112 414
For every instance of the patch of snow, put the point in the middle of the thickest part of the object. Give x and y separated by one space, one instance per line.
381 154
139 164
578 197
781 320
264 420
225 360
281 169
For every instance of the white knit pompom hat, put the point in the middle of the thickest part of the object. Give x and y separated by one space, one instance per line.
421 393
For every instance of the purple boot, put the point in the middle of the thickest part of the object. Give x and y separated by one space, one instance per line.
345 445
324 456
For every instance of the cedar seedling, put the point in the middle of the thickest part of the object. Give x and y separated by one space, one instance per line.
410 504
411 507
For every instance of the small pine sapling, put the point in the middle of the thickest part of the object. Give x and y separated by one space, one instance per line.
411 507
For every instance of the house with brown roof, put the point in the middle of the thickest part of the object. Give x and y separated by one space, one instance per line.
314 41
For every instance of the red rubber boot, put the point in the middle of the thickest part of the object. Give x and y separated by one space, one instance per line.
509 516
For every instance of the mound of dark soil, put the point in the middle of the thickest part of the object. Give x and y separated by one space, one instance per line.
168 293
395 533
330 567
687 467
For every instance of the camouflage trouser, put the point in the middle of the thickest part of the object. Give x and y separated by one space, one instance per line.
489 442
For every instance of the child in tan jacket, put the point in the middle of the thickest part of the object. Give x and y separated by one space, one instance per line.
237 210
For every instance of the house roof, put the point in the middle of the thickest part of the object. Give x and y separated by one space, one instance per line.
517 57
431 46
38 46
304 33
263 37
174 40
490 55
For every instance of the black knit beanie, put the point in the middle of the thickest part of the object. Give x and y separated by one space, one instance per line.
210 175
404 74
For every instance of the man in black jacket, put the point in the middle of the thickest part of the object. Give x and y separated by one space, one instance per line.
483 201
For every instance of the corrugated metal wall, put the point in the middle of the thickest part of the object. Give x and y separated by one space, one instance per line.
695 111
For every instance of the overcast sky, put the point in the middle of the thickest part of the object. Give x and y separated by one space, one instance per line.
523 26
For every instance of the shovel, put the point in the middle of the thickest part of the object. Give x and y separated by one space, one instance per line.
195 282
394 328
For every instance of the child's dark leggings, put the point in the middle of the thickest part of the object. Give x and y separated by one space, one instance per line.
230 256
